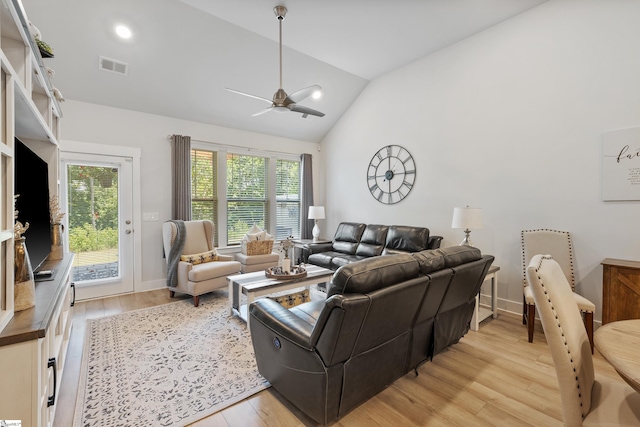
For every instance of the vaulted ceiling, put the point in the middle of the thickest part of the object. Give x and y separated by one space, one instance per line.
184 53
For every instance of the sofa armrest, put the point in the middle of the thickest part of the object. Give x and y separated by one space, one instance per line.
434 242
282 321
314 248
225 257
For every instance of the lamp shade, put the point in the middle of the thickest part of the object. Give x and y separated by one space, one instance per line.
467 218
316 212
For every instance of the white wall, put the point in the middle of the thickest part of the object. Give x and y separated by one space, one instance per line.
92 123
511 121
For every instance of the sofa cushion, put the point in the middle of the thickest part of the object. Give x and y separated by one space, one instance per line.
343 259
323 259
403 238
374 273
429 261
212 270
372 241
456 255
347 237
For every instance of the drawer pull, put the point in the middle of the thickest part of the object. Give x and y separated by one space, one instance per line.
51 400
73 300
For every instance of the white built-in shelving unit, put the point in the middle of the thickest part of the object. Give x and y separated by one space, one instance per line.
33 342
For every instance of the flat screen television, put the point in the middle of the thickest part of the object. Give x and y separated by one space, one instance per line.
32 184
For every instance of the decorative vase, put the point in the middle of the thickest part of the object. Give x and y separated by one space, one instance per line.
57 248
24 295
286 265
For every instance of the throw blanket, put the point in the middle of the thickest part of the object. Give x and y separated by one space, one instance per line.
174 253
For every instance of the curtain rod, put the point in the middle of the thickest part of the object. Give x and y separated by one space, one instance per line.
170 137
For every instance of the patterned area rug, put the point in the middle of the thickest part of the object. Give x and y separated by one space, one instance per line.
169 365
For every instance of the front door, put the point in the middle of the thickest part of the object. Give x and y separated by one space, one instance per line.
97 192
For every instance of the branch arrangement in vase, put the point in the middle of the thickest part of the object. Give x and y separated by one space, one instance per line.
55 215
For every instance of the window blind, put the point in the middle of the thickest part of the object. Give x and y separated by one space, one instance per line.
247 201
204 187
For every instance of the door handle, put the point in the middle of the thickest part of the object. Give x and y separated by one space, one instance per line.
51 400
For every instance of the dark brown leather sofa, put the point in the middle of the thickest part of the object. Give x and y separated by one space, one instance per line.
383 316
356 241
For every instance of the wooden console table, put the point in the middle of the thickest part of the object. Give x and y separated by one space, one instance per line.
620 290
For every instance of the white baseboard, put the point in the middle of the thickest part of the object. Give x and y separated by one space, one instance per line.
150 285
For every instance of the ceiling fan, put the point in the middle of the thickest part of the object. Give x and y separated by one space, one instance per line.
281 100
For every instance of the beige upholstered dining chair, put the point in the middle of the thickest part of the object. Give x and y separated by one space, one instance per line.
197 269
587 399
558 244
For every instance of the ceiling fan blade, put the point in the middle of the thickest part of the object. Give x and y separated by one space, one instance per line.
262 112
249 95
305 110
304 93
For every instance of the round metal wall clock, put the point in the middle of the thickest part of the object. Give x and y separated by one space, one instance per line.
391 174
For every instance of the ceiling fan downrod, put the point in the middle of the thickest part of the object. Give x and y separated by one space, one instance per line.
280 12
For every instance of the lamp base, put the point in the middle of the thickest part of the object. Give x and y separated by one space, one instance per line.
316 231
466 241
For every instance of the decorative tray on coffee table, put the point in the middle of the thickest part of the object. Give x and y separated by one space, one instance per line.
297 271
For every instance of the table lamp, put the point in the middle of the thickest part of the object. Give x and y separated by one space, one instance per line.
316 213
469 219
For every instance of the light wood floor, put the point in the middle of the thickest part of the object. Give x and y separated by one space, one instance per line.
492 377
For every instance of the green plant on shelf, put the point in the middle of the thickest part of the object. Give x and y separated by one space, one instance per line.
44 46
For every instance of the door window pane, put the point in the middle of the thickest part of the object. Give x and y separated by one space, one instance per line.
93 221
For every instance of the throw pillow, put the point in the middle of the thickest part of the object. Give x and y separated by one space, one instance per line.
200 258
291 300
261 235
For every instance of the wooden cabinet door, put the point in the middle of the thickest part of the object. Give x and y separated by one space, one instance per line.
621 290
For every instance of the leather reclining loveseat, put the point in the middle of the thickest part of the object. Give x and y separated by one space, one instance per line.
355 241
383 316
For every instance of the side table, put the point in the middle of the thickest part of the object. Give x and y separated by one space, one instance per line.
620 290
481 312
299 245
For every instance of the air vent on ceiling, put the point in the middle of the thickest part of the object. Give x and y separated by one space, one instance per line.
118 67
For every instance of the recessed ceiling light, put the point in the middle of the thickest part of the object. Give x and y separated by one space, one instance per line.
123 31
317 94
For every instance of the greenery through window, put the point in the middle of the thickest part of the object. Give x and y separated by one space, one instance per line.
247 201
204 187
93 208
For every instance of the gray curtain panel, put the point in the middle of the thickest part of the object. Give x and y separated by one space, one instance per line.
181 177
307 196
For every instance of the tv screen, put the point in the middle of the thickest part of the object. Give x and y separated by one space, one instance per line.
32 184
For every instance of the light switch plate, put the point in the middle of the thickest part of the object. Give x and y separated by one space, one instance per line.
150 216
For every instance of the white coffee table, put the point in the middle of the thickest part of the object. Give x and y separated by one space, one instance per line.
256 284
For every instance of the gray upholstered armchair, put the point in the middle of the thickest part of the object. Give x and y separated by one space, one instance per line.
198 268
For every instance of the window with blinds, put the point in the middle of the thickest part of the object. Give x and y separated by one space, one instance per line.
248 197
287 199
247 201
204 187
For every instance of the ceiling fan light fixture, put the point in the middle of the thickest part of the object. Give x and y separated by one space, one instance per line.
281 100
